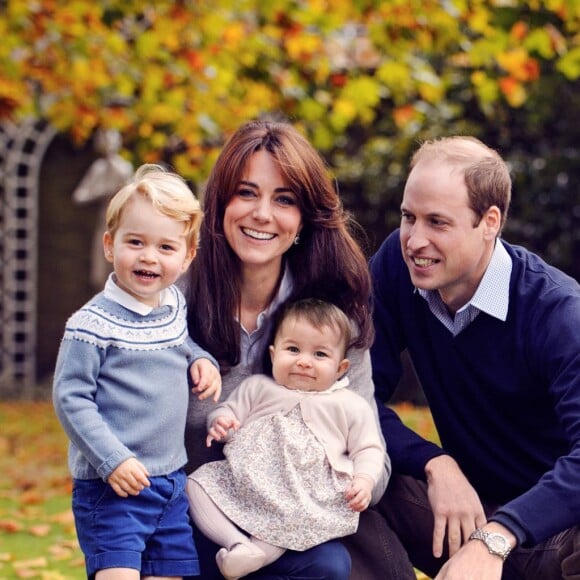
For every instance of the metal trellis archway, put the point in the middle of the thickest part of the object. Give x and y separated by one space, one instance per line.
22 147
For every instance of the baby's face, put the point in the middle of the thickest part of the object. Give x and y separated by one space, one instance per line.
307 358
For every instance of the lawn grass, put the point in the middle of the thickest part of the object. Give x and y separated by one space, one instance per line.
37 535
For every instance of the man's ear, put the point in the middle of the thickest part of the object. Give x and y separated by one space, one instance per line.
492 222
108 246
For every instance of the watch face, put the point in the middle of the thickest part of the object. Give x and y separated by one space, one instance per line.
497 543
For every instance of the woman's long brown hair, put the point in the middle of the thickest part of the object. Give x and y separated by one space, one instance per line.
328 263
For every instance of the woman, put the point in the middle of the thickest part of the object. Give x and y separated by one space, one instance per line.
274 230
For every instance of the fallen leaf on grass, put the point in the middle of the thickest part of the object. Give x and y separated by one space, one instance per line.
40 530
40 562
61 552
10 526
65 517
31 497
52 575
26 573
5 557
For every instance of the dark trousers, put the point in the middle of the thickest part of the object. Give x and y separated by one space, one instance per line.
328 561
397 534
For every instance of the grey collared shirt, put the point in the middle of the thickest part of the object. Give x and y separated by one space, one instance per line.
252 344
491 296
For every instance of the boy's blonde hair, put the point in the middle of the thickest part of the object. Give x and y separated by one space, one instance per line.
168 193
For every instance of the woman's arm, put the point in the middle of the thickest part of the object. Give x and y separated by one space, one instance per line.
361 382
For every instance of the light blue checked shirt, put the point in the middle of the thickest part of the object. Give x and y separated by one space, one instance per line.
491 296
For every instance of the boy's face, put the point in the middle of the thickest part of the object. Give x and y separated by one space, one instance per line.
149 251
307 358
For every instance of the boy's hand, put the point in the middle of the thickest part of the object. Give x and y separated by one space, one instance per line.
220 427
206 378
129 478
358 493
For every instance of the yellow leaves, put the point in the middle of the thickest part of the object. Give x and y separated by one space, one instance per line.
396 76
343 113
233 34
521 69
518 63
486 88
569 64
479 20
302 47
514 92
328 63
357 100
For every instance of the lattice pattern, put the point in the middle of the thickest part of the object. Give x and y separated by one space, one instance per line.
22 148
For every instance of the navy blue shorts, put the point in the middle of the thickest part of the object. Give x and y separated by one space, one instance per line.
150 532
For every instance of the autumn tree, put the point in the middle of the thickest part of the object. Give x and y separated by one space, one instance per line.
364 79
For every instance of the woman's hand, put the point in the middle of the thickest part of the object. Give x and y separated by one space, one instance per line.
206 378
129 478
220 427
358 493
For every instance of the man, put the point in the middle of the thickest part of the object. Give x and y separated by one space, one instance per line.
494 336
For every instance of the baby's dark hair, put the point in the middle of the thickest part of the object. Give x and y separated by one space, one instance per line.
318 313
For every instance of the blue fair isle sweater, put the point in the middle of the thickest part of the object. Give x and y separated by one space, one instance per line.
121 386
505 396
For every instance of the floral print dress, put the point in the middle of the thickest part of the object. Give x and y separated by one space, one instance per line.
277 484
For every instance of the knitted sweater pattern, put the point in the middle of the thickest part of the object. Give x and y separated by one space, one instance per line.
121 386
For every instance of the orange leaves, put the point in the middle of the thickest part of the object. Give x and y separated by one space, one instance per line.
518 63
404 115
10 526
37 535
181 68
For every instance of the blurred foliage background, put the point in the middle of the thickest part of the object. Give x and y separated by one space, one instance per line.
365 80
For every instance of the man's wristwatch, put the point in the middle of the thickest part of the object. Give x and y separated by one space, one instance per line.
496 543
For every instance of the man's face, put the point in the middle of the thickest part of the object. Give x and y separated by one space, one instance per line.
442 247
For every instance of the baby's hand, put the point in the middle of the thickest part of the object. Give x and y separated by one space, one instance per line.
206 378
358 493
129 478
220 427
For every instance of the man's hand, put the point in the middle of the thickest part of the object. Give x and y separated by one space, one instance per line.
474 562
129 478
455 504
220 427
206 378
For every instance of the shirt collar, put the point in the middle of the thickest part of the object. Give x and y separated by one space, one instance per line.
253 344
342 383
492 294
116 294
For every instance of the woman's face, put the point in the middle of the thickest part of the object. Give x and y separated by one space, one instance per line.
262 219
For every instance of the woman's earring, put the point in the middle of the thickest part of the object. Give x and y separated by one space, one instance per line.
297 240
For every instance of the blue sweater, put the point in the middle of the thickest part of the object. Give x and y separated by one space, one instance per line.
505 396
121 387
